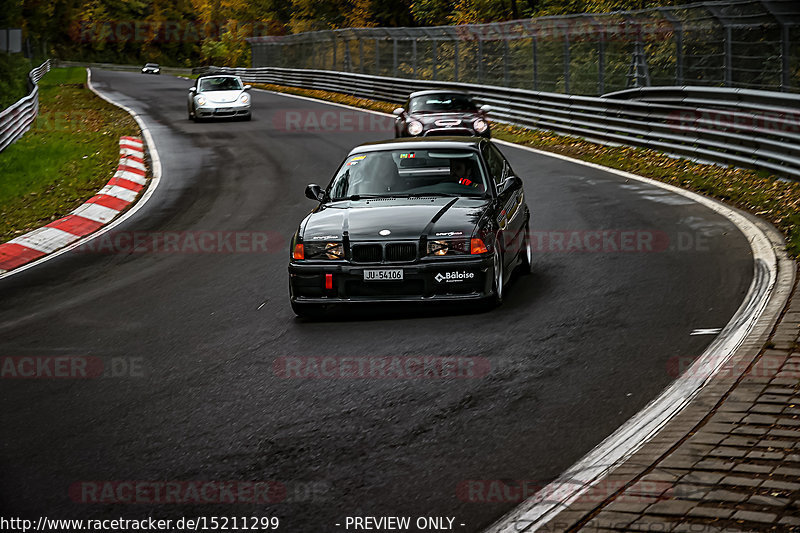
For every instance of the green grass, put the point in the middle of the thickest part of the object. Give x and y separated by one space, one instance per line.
755 191
69 153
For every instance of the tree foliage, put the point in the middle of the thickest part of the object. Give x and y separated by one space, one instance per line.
214 30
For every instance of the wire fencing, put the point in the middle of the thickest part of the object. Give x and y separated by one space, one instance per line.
16 119
740 43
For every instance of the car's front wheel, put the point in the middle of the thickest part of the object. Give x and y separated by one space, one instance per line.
498 277
526 261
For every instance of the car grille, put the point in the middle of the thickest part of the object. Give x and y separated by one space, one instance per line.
406 251
449 132
367 253
392 252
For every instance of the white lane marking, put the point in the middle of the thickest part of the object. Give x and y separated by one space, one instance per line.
118 192
706 331
536 511
45 239
96 212
155 163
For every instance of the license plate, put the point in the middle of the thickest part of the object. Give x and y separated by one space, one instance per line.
383 275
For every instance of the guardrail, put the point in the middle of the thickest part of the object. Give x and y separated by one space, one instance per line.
16 119
739 127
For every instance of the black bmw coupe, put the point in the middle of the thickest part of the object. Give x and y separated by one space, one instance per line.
412 220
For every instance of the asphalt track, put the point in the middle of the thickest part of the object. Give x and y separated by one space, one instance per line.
578 347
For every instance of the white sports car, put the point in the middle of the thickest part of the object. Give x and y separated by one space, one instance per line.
219 96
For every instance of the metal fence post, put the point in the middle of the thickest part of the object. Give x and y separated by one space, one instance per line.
361 55
333 40
480 59
786 80
414 57
435 54
601 63
455 60
534 42
566 61
394 58
728 56
505 61
377 57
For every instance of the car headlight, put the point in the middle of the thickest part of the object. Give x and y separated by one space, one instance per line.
480 125
414 127
448 247
201 100
323 250
244 98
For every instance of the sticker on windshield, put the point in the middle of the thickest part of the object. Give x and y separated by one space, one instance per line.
409 155
355 159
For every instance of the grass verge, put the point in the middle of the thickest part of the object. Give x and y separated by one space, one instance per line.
754 191
70 152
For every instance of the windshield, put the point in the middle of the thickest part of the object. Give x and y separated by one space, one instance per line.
220 84
426 172
151 65
441 102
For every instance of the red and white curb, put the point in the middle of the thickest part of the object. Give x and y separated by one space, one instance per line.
128 181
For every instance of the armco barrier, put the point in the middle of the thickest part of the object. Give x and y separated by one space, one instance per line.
15 120
740 127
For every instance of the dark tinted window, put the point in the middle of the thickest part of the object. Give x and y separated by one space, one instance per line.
441 102
495 162
219 84
410 173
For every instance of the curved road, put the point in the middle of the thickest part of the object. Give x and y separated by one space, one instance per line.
577 348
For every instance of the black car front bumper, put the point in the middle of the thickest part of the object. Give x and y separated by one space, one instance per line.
439 280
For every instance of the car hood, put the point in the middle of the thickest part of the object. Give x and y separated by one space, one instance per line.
405 219
432 118
222 96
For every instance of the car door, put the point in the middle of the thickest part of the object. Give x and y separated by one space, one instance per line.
510 202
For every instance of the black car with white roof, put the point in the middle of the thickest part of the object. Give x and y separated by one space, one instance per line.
412 220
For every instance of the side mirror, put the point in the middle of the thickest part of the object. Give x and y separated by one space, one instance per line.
315 192
247 87
485 108
511 183
399 111
192 89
